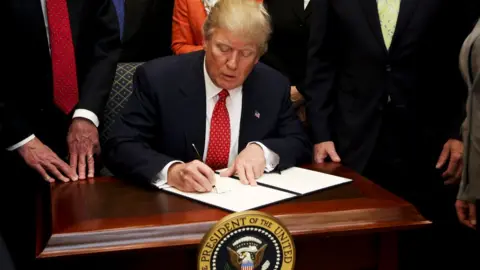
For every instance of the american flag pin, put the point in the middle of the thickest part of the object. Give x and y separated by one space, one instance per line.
257 114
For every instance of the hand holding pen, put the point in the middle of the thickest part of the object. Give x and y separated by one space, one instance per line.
194 176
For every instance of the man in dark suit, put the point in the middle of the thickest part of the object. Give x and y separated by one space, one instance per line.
147 30
60 60
385 96
72 49
217 105
287 47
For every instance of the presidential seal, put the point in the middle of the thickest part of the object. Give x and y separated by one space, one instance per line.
249 240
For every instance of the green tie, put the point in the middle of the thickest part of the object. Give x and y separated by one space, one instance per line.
388 13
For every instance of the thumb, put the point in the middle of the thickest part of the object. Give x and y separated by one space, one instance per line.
228 172
333 154
443 157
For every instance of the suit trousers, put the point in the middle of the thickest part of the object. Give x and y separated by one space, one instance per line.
404 164
22 196
5 260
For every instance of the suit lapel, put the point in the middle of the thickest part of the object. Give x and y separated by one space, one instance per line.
407 8
465 56
301 12
297 6
73 8
194 104
31 16
474 59
371 12
248 121
308 10
135 12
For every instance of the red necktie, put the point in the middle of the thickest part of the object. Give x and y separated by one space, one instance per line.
65 86
219 142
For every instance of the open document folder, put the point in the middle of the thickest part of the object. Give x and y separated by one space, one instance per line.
272 188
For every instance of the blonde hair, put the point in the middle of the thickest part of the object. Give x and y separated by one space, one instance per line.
246 17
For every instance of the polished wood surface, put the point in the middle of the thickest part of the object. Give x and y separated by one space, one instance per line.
108 215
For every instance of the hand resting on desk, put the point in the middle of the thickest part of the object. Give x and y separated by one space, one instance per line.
42 159
249 165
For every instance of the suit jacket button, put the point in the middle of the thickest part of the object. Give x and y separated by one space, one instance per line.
388 68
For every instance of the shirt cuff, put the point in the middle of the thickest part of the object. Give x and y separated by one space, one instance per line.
83 113
21 143
271 158
160 180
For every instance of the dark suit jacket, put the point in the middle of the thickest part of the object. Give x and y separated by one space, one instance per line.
287 47
29 105
350 73
148 30
167 112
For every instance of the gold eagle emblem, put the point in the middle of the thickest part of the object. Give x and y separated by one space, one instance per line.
254 257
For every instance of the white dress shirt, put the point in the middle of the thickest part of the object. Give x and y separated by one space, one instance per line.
305 3
234 107
77 113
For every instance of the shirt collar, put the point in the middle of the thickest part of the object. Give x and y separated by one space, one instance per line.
211 90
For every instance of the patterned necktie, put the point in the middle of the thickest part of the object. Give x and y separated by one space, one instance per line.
219 142
388 13
65 86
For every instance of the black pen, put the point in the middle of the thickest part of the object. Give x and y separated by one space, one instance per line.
196 152
200 158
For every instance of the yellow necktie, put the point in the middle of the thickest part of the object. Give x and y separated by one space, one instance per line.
388 13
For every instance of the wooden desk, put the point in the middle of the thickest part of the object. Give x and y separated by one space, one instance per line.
107 222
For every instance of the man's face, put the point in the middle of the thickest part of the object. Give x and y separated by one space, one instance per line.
229 58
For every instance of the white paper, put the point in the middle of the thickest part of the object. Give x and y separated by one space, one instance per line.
301 180
235 196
